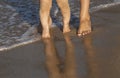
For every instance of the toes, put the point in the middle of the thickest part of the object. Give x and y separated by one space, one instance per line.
86 32
79 34
83 33
45 36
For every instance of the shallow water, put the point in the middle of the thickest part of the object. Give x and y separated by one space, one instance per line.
96 55
19 19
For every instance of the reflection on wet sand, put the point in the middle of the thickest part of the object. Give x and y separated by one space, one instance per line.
55 67
92 64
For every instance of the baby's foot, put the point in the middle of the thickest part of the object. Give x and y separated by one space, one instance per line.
66 29
46 31
85 28
45 34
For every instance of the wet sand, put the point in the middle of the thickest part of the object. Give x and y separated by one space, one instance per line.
94 56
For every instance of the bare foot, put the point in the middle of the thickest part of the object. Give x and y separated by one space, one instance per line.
85 28
66 29
45 34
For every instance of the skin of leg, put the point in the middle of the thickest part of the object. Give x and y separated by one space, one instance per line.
85 23
65 10
50 21
45 6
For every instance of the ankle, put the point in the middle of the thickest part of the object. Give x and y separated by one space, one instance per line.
85 18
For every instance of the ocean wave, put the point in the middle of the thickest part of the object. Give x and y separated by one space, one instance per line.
103 6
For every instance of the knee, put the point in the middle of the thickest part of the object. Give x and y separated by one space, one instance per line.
63 3
45 4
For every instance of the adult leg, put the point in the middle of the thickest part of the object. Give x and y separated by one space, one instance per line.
85 22
45 6
65 10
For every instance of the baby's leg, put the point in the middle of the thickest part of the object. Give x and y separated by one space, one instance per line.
45 6
85 22
65 10
50 21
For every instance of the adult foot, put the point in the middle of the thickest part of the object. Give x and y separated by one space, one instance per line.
85 28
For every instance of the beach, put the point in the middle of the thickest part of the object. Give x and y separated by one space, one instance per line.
95 55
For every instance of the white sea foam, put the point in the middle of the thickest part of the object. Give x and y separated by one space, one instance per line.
116 0
3 48
102 6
